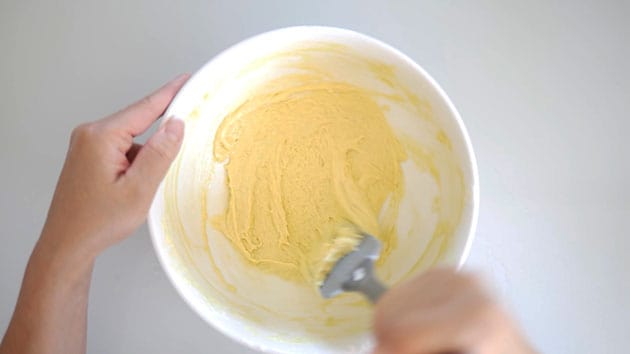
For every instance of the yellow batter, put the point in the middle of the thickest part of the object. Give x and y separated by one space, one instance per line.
305 156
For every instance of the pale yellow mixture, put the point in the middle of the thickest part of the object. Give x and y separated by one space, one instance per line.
304 157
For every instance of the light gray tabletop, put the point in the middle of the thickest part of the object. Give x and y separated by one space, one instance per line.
543 87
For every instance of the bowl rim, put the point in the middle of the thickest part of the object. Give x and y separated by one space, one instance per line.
154 223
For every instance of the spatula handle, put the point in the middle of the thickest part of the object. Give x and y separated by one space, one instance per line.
364 281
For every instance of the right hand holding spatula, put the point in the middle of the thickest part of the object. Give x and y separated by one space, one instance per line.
443 311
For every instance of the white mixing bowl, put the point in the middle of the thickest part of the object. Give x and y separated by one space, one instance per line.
438 213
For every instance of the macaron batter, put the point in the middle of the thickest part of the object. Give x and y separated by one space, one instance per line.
304 156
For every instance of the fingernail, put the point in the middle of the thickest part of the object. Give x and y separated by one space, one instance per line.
174 129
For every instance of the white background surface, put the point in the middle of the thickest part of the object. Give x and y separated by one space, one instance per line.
543 87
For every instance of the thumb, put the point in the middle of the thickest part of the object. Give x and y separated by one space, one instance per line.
155 157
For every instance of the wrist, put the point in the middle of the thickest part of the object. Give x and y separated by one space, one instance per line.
57 253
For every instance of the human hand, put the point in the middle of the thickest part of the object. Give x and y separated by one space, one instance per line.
108 182
443 311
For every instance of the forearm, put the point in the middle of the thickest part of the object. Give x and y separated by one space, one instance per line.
103 194
50 315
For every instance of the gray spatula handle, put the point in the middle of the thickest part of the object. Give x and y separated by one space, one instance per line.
364 281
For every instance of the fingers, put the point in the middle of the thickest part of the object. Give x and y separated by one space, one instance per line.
154 158
441 311
139 116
